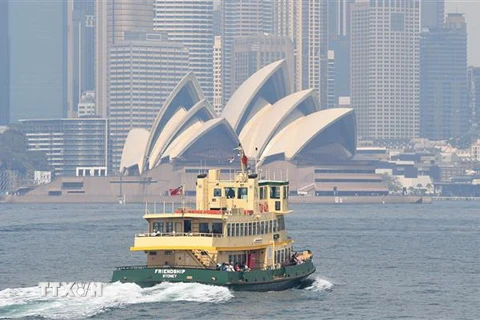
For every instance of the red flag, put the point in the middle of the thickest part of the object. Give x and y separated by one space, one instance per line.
177 191
244 160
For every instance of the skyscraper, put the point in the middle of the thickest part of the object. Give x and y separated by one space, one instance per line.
81 51
190 22
217 75
444 109
113 19
251 53
385 68
38 59
4 65
241 18
305 22
433 13
143 70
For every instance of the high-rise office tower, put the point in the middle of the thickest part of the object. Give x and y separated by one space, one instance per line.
191 23
339 18
251 53
444 110
474 95
305 22
38 59
385 68
339 42
432 13
113 19
241 18
217 75
143 70
4 65
332 100
81 51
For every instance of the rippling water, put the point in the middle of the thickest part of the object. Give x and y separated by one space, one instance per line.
373 262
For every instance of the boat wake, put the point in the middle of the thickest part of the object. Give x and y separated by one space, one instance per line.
25 302
317 284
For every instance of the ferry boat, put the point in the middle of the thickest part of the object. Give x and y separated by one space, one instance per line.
235 237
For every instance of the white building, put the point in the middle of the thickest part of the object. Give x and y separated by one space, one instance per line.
142 73
385 77
190 22
305 22
218 75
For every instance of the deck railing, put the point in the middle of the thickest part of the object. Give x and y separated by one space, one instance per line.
180 234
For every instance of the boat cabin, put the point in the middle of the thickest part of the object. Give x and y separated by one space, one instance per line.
236 221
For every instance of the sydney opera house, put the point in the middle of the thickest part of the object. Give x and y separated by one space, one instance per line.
270 122
284 134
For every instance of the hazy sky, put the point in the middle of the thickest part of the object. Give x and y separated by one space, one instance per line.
471 9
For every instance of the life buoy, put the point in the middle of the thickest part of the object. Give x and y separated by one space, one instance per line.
265 207
260 206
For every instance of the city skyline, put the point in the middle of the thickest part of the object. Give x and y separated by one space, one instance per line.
76 43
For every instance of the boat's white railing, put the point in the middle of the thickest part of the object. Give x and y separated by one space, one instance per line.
180 234
163 207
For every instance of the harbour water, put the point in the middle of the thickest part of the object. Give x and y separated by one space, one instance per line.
373 262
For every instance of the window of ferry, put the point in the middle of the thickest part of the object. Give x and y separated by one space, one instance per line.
237 229
262 227
217 227
203 227
242 193
158 226
262 193
217 192
274 192
168 227
230 193
285 192
281 223
250 232
229 229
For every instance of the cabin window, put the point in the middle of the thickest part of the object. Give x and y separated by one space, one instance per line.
168 227
274 192
217 192
237 258
229 229
281 223
242 193
250 232
237 229
158 226
285 192
230 193
262 193
203 227
217 227
262 227
270 228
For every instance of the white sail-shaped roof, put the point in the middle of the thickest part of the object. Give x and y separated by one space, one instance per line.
185 95
272 118
211 141
133 149
269 84
308 136
202 111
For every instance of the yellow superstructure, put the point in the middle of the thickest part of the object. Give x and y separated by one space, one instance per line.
236 221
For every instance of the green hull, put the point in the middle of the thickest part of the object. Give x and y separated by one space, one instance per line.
254 280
